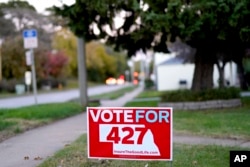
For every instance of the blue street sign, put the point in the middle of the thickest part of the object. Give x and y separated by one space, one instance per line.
30 38
29 33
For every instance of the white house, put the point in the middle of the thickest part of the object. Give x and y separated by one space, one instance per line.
172 74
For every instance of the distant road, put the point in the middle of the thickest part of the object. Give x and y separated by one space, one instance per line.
246 93
55 97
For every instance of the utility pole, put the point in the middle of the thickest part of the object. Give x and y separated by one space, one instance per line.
82 73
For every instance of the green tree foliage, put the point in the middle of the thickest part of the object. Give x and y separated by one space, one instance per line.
7 27
13 59
64 40
18 4
16 15
101 14
214 28
22 12
218 29
54 64
102 62
100 65
121 60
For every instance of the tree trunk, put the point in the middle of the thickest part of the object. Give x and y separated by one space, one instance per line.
241 74
203 73
221 74
82 73
238 52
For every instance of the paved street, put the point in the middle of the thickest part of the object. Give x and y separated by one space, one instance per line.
54 97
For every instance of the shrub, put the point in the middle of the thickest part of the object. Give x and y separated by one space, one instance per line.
212 94
149 84
9 85
52 82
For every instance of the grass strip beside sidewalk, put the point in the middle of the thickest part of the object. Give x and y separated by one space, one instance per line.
115 94
18 120
14 121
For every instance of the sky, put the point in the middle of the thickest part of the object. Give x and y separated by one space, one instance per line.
41 5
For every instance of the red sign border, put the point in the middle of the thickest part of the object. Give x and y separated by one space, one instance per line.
159 159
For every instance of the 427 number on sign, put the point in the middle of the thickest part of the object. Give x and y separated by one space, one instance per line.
126 135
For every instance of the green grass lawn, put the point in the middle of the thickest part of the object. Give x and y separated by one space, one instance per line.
225 123
183 156
13 121
149 93
142 104
114 94
229 123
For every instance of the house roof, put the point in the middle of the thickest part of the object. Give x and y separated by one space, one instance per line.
172 61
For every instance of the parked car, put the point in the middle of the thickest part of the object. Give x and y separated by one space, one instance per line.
111 81
114 81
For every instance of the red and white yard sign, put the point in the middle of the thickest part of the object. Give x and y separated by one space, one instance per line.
130 133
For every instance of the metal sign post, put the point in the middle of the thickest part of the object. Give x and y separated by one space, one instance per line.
30 42
33 75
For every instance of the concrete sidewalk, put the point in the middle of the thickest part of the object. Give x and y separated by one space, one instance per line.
32 147
122 100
